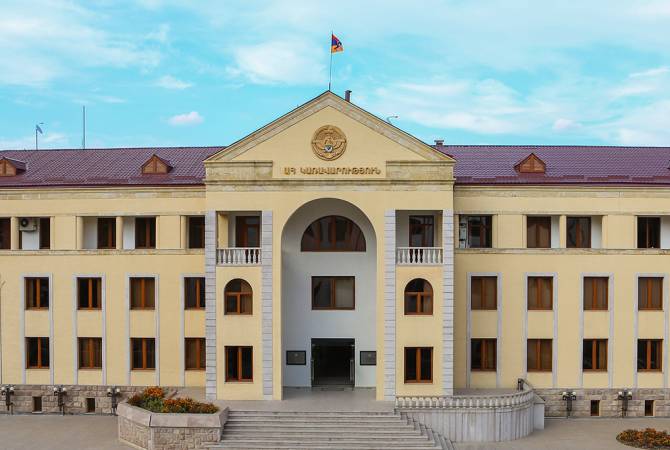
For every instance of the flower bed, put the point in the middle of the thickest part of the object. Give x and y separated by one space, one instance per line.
153 399
647 438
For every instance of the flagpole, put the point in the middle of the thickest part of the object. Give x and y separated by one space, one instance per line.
330 71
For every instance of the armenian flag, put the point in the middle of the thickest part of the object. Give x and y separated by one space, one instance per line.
335 44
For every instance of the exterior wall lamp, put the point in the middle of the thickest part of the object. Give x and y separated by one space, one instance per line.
60 392
624 396
8 391
114 393
569 397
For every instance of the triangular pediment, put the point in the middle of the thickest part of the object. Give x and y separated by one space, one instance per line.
531 164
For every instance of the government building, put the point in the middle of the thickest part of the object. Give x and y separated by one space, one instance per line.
329 248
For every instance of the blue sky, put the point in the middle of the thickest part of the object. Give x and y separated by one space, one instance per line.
179 72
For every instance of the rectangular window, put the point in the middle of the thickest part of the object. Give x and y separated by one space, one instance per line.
648 232
143 351
145 232
142 293
475 231
539 355
37 293
484 292
649 408
538 232
596 293
196 232
579 232
649 354
89 293
106 232
239 363
90 353
194 353
418 364
483 354
5 233
45 233
37 353
421 231
194 292
595 355
540 293
333 293
650 293
248 231
595 408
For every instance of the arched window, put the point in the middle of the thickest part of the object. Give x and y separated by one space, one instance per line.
419 297
238 297
333 234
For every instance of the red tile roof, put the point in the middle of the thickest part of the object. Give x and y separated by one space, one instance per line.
475 165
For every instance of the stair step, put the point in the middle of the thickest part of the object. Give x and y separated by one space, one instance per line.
333 444
235 446
315 429
323 435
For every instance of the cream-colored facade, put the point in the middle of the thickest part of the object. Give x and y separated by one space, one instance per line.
383 176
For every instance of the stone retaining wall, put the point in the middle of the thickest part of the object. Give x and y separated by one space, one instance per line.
155 431
610 406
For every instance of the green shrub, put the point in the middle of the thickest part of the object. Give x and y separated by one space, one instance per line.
153 399
647 438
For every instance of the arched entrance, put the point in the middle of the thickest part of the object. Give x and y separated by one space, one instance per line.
328 252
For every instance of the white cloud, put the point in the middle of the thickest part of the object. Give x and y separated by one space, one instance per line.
651 72
562 124
161 34
170 82
192 118
47 140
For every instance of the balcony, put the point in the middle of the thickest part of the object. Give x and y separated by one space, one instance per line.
418 256
239 256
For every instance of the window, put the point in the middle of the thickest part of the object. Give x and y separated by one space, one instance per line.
595 407
143 351
484 293
89 293
239 364
37 293
5 233
649 354
248 231
145 232
648 232
650 293
595 354
196 232
333 234
483 354
90 353
106 232
421 231
239 297
418 364
142 293
194 292
195 353
37 352
475 231
419 297
538 356
45 233
579 232
333 293
649 408
540 293
538 232
596 293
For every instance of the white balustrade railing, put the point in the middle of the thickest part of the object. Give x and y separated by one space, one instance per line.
419 255
240 256
487 401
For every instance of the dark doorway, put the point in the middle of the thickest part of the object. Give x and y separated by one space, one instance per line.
333 362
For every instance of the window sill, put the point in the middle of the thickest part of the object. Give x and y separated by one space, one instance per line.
142 370
419 382
649 370
37 368
419 314
594 370
540 309
240 381
194 370
539 370
90 369
484 370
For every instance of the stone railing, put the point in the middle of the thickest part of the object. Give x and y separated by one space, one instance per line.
240 256
467 401
156 431
418 255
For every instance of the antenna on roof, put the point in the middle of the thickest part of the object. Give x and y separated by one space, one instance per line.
37 128
83 118
388 119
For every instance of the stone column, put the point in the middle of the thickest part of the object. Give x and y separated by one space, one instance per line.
389 305
448 302
210 305
119 232
14 233
80 233
266 302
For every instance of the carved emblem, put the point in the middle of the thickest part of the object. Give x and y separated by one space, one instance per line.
329 142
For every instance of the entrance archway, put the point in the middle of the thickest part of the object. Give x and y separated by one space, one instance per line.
329 295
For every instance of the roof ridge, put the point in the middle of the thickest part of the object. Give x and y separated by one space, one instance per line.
112 148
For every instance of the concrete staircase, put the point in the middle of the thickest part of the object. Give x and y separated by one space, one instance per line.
326 430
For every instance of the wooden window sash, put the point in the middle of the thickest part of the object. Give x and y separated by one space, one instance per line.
648 303
534 224
487 345
39 342
483 227
420 306
237 295
591 301
578 231
36 287
418 353
649 344
333 297
238 377
426 238
483 289
536 303
598 348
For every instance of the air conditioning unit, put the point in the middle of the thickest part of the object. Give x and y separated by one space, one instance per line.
27 224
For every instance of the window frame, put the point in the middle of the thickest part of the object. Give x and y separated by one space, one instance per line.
199 289
150 230
107 224
333 299
533 225
144 341
648 358
427 237
578 235
42 344
420 299
538 350
44 230
485 229
5 233
488 345
90 288
350 245
417 365
239 349
646 222
200 349
38 293
238 298
193 232
482 279
536 303
143 294
89 344
595 282
648 306
596 350
242 227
